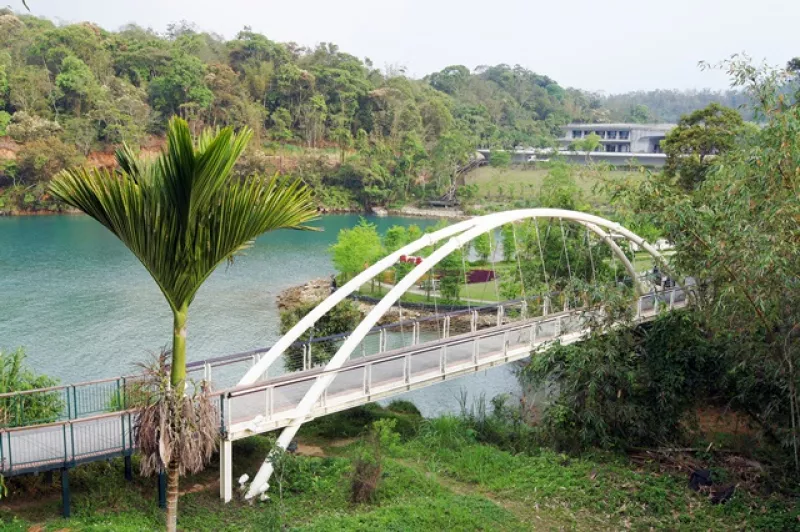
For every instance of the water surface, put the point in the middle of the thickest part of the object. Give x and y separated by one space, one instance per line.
84 308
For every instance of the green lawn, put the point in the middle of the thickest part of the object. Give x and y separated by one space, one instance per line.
438 479
522 183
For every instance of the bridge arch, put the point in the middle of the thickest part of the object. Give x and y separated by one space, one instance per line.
459 235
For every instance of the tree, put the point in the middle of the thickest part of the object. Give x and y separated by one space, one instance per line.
340 319
699 138
735 231
181 216
356 248
500 159
25 127
77 83
483 246
589 144
38 161
181 87
451 278
638 114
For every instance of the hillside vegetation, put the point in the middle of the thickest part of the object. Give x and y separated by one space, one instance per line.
359 135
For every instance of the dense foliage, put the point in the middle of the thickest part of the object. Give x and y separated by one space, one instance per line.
79 88
626 388
700 137
737 233
365 137
664 105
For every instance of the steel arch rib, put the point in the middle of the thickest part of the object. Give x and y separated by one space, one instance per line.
347 289
465 233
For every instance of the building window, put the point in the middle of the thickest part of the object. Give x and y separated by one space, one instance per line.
611 135
601 134
611 148
625 148
624 135
576 133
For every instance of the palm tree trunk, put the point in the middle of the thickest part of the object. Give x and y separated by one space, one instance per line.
172 496
177 380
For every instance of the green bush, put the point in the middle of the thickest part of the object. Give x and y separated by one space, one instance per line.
25 409
340 319
629 387
355 421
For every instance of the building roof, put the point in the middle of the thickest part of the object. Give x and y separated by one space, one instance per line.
621 125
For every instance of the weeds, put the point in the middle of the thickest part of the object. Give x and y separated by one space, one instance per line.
368 462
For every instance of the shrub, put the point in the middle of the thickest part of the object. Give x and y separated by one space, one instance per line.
16 377
627 387
368 463
340 319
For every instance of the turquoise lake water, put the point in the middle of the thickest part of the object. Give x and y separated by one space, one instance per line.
83 307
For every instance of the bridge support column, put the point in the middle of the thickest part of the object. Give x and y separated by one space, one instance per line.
226 470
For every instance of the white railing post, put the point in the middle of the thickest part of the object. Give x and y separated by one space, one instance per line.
524 309
639 307
443 360
447 327
407 369
532 333
671 299
415 333
369 379
499 315
473 321
505 344
381 334
475 349
207 372
226 470
271 398
558 327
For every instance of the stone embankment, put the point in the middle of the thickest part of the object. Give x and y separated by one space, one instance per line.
455 214
316 290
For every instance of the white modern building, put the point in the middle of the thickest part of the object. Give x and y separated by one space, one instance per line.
618 138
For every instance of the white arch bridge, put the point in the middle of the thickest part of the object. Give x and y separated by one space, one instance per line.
369 363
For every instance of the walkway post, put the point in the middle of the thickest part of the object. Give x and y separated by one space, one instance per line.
162 490
65 493
226 470
128 468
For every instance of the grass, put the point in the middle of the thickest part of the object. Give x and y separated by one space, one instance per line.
518 182
439 478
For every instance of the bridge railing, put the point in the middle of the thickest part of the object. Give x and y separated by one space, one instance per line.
373 376
63 443
91 398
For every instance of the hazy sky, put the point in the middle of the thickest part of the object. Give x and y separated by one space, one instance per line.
609 45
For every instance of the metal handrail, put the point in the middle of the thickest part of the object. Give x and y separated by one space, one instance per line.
245 355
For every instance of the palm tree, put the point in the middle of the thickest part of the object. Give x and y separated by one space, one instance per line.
182 214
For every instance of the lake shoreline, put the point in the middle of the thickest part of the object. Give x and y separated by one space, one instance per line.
416 212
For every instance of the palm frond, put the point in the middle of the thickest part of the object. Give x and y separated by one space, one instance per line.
182 215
